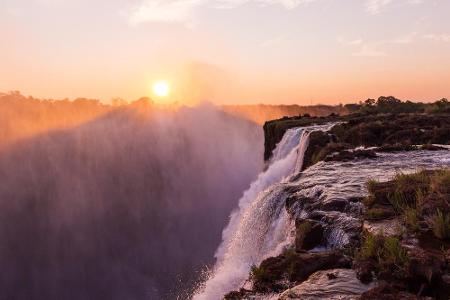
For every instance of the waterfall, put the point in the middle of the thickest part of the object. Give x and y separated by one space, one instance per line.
260 227
303 145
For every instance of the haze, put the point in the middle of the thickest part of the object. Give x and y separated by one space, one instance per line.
227 51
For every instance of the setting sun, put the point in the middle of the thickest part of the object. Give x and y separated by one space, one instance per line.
161 88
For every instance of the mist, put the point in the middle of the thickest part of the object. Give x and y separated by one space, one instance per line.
128 205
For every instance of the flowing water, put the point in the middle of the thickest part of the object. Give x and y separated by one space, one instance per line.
261 226
328 191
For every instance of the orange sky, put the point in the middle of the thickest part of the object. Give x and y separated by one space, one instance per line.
227 51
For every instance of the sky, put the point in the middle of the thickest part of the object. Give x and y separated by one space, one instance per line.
227 51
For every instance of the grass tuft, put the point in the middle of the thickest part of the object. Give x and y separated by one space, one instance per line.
440 225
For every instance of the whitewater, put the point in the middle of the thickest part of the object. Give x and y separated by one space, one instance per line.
260 227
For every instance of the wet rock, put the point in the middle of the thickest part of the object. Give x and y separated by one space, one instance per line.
364 270
425 265
443 291
274 130
389 291
317 141
343 284
295 267
309 234
431 147
396 147
308 263
238 295
293 199
379 213
390 227
351 155
335 205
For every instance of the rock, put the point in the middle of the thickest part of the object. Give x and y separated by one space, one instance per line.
343 284
379 213
309 234
317 141
443 291
396 147
309 263
391 227
238 295
331 276
351 155
334 205
274 130
388 291
295 267
425 266
364 270
431 147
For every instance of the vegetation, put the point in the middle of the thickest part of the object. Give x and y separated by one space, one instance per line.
391 104
440 225
386 253
421 197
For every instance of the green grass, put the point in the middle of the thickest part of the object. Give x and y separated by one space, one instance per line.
257 273
440 183
377 213
369 247
371 185
394 254
411 218
386 252
440 225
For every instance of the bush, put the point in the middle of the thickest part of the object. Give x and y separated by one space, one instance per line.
386 252
394 254
440 225
257 273
411 218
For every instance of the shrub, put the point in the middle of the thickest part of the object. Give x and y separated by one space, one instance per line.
371 185
257 273
440 182
398 201
411 218
378 213
386 252
393 253
440 224
370 246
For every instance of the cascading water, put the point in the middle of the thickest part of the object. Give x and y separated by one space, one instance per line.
260 227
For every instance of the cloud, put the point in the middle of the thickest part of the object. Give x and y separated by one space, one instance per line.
442 38
163 11
171 11
369 51
374 7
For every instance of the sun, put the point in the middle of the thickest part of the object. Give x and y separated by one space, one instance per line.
161 88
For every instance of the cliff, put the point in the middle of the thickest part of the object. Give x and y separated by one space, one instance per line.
369 223
389 132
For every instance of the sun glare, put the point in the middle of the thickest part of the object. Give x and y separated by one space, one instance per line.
161 88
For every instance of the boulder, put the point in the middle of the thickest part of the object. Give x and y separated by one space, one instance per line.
295 267
329 284
309 234
351 155
390 291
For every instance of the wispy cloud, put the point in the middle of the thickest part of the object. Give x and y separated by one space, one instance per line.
368 50
442 38
374 7
163 11
183 10
376 48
